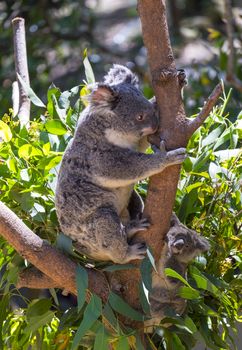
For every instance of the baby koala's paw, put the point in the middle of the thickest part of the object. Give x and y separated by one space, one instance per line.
136 225
136 251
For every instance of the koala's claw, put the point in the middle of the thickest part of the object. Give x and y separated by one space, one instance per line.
176 156
136 226
160 149
181 74
137 251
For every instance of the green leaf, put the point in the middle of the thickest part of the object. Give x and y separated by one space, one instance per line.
188 293
115 267
122 344
61 112
91 314
144 298
53 90
213 136
190 324
172 273
109 315
119 305
38 307
27 151
151 258
37 322
192 186
31 94
5 132
146 273
55 127
88 69
4 307
139 344
64 243
82 285
101 340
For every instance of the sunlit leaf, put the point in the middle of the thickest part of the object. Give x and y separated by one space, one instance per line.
31 94
5 132
55 127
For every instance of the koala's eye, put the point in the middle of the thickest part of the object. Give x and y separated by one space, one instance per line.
140 117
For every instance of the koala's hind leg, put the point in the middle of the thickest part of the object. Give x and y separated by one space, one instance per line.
111 238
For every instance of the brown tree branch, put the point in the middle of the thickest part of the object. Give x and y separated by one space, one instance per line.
45 257
207 108
35 279
231 77
21 67
175 130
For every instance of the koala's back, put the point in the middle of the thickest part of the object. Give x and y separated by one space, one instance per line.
77 194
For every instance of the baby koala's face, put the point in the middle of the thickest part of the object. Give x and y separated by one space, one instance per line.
184 243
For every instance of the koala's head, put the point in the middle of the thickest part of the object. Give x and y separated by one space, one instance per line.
119 99
183 243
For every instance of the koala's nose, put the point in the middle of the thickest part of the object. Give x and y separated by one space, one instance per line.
179 244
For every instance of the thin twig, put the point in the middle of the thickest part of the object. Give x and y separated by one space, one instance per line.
204 113
231 77
21 67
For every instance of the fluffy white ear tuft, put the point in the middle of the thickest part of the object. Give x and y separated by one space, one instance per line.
103 94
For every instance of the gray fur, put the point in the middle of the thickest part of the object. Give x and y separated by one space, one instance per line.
101 165
181 247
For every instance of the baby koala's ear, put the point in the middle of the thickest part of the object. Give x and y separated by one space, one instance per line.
174 220
104 94
202 244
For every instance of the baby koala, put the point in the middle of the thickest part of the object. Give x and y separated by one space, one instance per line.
181 246
101 165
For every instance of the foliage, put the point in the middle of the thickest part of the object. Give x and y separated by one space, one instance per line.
208 200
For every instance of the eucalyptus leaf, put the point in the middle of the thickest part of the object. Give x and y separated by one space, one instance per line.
119 305
82 285
91 314
31 94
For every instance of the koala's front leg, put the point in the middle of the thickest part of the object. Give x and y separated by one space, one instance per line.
124 167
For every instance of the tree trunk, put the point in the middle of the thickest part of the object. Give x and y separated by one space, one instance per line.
175 130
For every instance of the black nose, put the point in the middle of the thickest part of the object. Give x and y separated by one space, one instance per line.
179 244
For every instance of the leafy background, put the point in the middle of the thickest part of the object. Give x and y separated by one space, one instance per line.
208 200
209 194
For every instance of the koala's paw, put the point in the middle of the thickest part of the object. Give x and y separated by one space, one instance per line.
136 251
176 156
136 225
181 74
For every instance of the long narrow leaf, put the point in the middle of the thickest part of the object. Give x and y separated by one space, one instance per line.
82 285
119 305
31 94
91 314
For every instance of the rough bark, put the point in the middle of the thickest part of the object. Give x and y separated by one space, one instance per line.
21 68
175 129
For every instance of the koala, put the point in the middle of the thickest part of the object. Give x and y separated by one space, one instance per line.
102 163
182 245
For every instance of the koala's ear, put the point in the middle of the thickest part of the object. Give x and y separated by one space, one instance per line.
202 244
103 95
174 220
